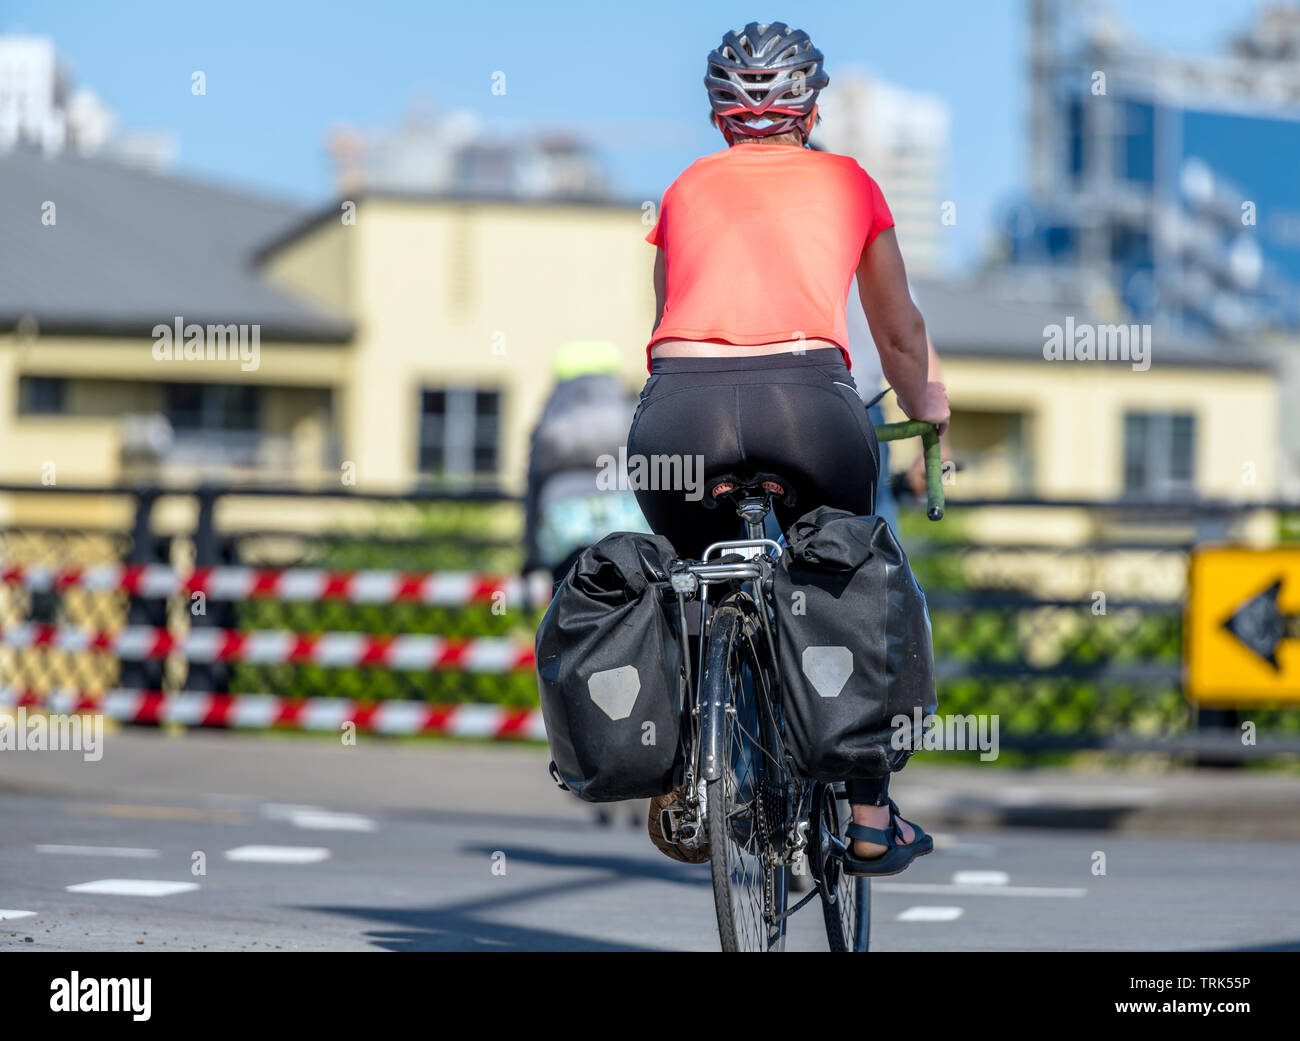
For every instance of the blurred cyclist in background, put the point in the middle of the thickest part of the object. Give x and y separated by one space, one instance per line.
585 418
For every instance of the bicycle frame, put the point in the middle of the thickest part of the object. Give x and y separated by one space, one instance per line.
753 572
695 579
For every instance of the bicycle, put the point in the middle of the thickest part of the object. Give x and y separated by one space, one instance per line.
761 820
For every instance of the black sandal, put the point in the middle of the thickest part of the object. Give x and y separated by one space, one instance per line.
896 857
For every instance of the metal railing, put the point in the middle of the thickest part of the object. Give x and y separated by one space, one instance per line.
1012 636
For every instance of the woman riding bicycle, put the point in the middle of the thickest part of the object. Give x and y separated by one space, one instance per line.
748 360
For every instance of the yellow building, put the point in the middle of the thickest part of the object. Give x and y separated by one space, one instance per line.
1053 400
405 338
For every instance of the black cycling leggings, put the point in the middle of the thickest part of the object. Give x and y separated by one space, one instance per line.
796 415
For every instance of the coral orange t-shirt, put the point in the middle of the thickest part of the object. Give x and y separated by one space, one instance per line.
761 242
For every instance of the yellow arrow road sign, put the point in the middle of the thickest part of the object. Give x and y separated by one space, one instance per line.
1241 634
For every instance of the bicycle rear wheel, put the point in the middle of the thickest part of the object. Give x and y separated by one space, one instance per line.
747 804
846 899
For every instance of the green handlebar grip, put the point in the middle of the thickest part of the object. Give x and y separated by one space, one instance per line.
929 435
933 474
900 431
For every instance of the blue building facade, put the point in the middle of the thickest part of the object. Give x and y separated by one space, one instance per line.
1176 182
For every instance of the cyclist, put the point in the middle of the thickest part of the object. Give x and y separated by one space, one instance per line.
748 359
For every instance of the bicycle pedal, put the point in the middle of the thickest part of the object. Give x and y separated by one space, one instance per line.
668 824
686 833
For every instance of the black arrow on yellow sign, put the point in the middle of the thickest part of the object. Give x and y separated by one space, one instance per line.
1260 624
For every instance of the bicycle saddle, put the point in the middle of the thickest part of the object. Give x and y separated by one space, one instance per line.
743 485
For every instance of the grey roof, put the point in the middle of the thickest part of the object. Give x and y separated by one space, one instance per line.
308 222
1002 315
131 248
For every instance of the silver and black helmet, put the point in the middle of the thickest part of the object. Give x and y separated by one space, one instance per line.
765 70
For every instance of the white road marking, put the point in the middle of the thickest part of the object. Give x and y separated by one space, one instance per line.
278 854
317 818
980 878
133 887
99 851
931 914
939 887
949 843
325 820
7 914
282 811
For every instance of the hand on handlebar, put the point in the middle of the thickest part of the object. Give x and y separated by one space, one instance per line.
935 408
932 447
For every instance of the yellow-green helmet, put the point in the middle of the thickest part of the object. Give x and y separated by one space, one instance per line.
586 358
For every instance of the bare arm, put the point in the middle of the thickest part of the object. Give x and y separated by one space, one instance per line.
899 330
916 472
936 370
661 281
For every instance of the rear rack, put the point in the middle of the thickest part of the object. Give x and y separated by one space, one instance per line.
757 555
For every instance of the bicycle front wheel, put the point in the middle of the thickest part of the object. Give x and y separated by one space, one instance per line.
745 805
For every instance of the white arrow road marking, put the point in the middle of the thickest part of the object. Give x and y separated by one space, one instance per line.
133 887
954 890
931 914
7 914
278 854
980 878
99 851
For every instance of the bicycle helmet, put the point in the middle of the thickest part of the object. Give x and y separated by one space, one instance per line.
766 70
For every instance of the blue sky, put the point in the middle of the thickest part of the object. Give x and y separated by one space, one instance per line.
281 74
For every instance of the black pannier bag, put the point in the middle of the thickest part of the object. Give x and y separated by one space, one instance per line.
853 636
609 672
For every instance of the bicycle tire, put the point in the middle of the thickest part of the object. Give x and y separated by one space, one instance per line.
750 893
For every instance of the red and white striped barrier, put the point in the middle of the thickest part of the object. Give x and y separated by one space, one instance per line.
431 588
267 711
278 647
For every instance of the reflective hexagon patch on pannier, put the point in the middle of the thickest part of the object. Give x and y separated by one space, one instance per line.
614 690
828 669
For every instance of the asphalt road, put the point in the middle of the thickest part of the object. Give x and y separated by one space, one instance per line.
308 846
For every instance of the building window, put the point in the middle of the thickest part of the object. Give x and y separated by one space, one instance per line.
1159 455
42 395
1074 123
994 450
1135 153
460 432
197 407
